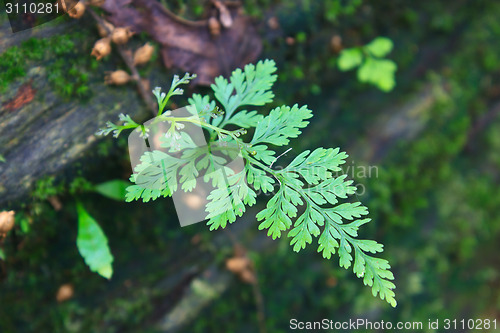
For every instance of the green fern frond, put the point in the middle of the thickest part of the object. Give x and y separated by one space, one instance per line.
310 195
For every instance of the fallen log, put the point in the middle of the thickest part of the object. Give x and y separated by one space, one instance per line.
41 133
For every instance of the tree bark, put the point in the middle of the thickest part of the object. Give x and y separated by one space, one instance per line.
40 132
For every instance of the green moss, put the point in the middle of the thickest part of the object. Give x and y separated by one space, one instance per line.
70 78
69 74
45 188
11 66
48 186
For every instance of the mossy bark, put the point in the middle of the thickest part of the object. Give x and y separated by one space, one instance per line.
42 132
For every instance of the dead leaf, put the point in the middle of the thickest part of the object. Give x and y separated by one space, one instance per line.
188 45
24 95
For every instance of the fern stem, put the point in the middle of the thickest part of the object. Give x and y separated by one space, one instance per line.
264 167
200 123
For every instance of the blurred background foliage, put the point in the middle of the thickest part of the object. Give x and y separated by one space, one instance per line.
434 139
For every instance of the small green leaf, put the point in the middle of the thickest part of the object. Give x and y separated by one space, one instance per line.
113 189
350 210
349 59
305 227
345 254
259 179
200 106
105 271
2 159
245 119
379 72
261 152
380 46
281 124
228 200
24 224
250 86
93 244
276 216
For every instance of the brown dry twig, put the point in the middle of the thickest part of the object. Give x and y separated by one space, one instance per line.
127 58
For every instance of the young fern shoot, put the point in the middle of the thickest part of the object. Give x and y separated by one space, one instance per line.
308 196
